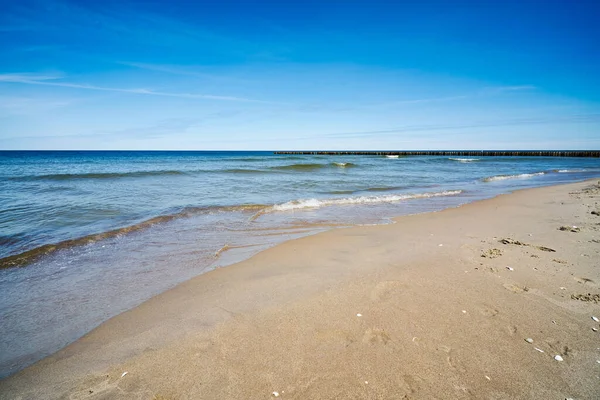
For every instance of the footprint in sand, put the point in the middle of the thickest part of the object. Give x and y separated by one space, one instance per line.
376 336
335 336
488 311
386 289
515 288
585 281
451 358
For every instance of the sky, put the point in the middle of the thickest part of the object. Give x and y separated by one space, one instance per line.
299 75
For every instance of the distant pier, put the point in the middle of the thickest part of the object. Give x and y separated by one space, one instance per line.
456 153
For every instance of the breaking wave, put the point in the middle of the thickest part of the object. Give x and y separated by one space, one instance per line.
359 200
505 177
464 160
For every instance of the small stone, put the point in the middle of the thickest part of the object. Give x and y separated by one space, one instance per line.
359 315
510 268
440 245
464 311
529 340
558 358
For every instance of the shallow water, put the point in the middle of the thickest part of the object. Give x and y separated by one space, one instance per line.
96 233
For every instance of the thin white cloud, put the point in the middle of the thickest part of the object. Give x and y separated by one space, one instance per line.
49 80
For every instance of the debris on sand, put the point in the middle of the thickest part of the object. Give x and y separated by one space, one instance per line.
519 243
587 297
569 229
512 241
492 253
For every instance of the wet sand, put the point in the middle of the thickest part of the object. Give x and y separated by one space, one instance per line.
435 306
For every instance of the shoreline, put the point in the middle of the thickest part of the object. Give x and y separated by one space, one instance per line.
210 309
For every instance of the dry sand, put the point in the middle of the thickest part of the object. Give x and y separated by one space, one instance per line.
425 308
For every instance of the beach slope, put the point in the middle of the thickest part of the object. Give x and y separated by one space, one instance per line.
491 300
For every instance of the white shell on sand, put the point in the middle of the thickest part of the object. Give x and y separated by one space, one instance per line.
510 268
595 329
540 350
276 394
359 315
529 340
558 358
124 373
596 319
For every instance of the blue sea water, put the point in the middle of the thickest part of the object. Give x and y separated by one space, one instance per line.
87 235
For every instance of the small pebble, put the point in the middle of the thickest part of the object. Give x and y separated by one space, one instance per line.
558 358
596 319
366 382
563 288
464 311
510 268
488 378
440 245
554 322
529 340
359 315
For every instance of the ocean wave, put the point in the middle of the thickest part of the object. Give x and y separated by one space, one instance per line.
566 171
343 164
97 175
299 167
382 189
359 200
245 171
505 177
464 160
312 166
392 156
29 256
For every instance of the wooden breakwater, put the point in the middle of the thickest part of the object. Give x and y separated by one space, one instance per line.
455 153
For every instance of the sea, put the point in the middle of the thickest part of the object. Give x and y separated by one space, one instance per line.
86 235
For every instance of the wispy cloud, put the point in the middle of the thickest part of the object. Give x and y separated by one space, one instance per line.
49 80
576 118
16 105
483 92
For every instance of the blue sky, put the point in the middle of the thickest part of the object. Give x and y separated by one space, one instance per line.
299 75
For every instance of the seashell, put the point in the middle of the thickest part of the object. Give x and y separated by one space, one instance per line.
276 394
359 315
124 373
595 329
596 319
558 358
529 340
510 268
540 350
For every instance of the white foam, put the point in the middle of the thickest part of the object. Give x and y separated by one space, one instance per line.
564 171
392 156
391 198
343 164
464 160
505 177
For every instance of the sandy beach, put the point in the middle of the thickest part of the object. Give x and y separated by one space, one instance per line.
491 300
